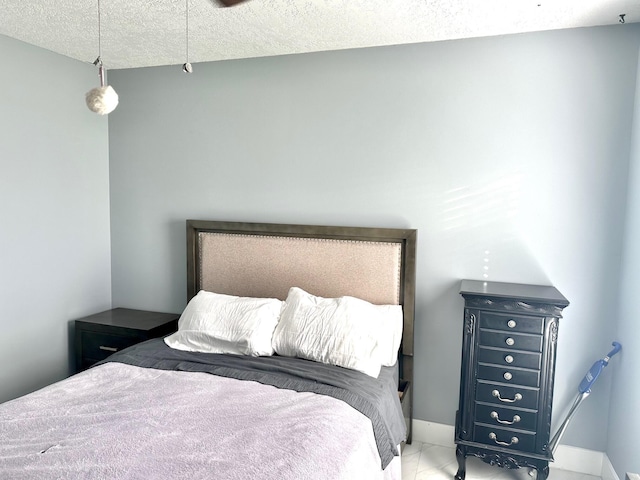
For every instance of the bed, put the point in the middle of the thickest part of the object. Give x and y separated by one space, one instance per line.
266 401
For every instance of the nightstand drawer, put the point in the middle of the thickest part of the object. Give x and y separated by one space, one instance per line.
510 340
505 395
499 356
505 438
98 346
515 376
515 323
503 416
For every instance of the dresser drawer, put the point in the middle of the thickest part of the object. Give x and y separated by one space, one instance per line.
98 346
505 438
515 323
502 416
506 395
510 340
499 356
515 376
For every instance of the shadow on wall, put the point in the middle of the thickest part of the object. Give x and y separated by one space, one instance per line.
479 223
479 206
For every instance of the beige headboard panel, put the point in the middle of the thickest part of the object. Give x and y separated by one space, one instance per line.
267 266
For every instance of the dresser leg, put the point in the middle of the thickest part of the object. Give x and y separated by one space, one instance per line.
461 456
543 473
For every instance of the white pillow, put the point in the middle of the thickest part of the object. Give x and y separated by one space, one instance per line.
216 323
338 331
391 333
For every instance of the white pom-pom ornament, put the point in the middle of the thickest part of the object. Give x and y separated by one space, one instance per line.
103 99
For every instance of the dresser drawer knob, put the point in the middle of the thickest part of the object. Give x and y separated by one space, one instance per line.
511 323
507 375
108 349
494 437
496 417
508 359
510 341
516 398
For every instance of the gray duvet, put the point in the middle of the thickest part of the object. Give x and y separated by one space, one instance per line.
174 421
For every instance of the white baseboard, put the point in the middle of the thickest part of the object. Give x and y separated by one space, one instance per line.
590 462
434 433
608 473
578 459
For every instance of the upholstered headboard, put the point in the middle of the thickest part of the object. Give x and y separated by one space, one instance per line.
265 260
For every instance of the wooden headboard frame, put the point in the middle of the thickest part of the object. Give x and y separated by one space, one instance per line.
265 260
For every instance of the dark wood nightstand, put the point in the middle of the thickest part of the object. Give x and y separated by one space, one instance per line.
98 336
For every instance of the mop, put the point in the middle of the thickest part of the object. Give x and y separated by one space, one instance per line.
584 390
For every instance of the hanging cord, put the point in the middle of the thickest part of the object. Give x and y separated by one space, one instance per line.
98 61
186 67
99 33
187 27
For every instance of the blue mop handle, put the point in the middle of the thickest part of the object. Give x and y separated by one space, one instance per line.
616 348
585 389
593 373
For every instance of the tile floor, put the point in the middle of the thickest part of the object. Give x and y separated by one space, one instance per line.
422 461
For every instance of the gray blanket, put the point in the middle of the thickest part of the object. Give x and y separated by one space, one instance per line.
375 398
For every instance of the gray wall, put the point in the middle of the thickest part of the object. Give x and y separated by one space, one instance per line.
515 145
54 213
624 419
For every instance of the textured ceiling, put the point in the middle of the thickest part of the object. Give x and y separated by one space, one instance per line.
140 33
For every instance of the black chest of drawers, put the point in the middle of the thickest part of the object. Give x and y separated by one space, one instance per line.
506 383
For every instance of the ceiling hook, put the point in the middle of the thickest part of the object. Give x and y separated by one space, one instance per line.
622 15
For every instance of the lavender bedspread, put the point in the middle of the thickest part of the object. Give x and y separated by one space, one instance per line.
120 421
